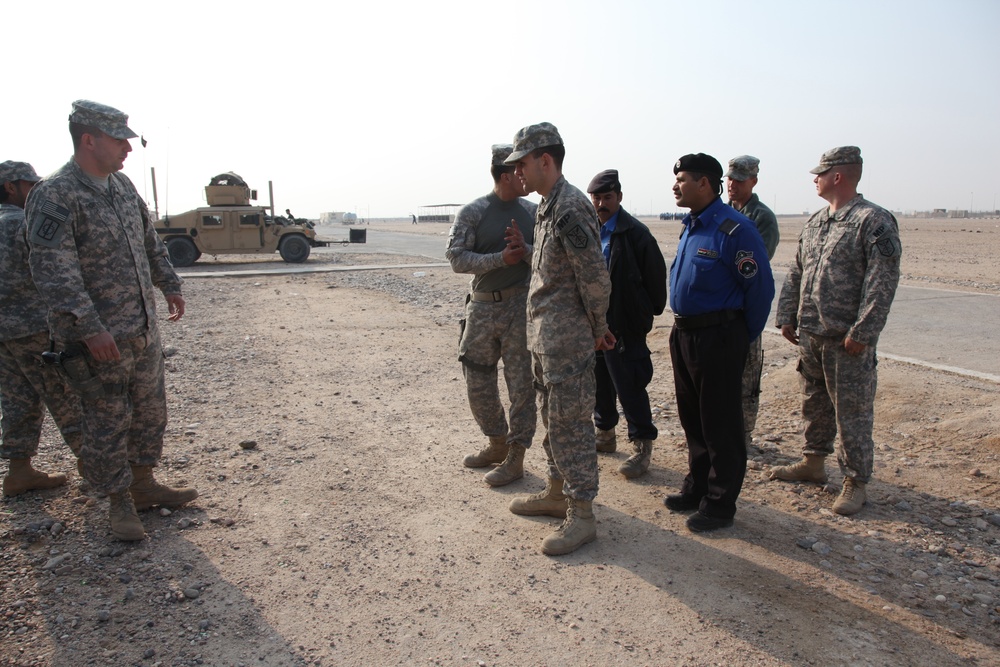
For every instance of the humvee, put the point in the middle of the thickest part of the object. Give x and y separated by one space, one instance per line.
230 224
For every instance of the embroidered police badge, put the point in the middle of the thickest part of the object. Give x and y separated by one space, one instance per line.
746 264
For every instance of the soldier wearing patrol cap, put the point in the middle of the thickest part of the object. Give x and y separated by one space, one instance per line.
833 305
26 383
740 181
567 305
638 294
95 259
494 326
720 293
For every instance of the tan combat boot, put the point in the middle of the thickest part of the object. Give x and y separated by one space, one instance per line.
21 477
550 502
637 464
607 443
146 491
810 469
512 467
125 524
578 529
852 497
495 452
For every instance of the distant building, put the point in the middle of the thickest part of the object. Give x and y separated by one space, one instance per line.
438 213
337 218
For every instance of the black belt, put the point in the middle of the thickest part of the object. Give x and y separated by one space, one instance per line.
498 295
706 319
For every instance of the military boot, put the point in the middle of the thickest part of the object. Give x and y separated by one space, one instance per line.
550 502
852 497
146 491
495 452
21 477
125 524
578 529
810 469
512 467
607 442
637 464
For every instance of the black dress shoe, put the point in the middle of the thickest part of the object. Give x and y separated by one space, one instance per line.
702 523
679 502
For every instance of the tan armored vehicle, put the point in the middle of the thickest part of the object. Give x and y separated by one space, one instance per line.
231 225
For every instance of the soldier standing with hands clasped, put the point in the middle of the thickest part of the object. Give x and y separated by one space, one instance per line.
25 383
95 259
567 305
494 325
833 305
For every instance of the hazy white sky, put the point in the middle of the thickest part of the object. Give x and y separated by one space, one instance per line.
381 107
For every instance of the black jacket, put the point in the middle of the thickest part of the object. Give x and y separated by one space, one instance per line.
638 279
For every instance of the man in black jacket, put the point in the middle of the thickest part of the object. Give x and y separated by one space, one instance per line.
638 293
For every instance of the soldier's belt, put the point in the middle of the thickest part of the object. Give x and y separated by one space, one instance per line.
498 295
706 319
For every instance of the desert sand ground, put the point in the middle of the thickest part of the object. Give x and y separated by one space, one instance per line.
323 418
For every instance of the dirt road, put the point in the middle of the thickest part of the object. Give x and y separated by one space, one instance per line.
323 419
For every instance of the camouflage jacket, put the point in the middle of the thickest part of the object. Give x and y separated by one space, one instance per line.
764 219
570 287
845 273
23 309
95 256
476 241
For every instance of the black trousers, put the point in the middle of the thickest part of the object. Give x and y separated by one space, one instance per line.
622 376
708 379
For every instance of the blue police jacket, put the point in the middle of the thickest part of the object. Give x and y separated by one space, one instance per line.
722 264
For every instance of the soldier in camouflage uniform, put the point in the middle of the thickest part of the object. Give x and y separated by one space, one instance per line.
833 305
95 259
740 181
494 324
567 305
25 383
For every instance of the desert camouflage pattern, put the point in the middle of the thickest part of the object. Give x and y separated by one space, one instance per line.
22 307
743 167
532 137
570 286
842 284
95 256
12 170
500 152
845 273
127 425
25 385
838 393
765 221
566 387
495 330
836 157
752 371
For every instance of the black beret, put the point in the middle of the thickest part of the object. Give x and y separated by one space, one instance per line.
701 163
606 181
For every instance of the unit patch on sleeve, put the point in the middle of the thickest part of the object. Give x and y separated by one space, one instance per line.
746 264
50 226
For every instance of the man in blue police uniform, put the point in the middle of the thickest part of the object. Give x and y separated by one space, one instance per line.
721 289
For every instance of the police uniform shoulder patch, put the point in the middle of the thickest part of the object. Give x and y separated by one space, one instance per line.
49 224
729 227
746 264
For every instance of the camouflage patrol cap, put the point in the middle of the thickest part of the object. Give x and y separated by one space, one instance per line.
500 153
108 120
529 138
743 168
11 171
701 163
837 156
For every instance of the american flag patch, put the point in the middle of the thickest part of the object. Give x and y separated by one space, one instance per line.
53 210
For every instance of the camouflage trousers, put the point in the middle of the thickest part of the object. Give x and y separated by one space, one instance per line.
751 386
566 387
495 331
838 393
25 384
126 425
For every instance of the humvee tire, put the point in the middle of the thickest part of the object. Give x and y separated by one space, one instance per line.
182 251
294 249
